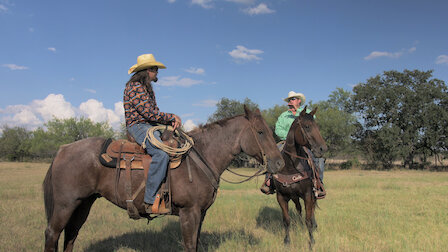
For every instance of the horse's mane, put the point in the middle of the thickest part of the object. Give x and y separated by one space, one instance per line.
205 127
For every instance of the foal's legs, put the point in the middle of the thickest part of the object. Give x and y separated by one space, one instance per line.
61 215
190 223
310 205
283 202
78 218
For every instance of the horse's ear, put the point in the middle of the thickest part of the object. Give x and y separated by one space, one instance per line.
314 111
303 111
247 111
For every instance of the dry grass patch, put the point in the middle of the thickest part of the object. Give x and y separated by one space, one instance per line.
364 211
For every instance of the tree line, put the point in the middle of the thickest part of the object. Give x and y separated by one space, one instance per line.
395 116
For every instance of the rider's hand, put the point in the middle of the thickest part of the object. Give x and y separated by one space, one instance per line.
177 122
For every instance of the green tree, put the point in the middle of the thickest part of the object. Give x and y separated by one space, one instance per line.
404 113
45 143
227 108
336 122
14 143
271 115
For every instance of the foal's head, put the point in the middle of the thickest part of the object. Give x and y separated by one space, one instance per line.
257 141
306 133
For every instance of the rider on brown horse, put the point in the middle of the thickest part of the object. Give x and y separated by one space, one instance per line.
142 113
282 126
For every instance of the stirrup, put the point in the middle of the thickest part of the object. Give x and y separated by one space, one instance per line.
319 193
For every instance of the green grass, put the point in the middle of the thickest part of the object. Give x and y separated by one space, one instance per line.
364 211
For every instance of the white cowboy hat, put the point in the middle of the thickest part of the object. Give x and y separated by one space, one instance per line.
297 95
145 61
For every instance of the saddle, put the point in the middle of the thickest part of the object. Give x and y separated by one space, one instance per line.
313 174
127 154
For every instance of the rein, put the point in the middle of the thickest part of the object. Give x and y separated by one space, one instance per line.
263 165
306 136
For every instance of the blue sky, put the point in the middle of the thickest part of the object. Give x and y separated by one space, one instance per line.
70 58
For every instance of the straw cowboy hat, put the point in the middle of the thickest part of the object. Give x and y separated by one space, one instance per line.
145 61
297 95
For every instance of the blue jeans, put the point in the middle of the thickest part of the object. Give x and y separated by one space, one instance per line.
320 163
159 163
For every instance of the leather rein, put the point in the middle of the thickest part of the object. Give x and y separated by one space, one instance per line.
215 178
307 139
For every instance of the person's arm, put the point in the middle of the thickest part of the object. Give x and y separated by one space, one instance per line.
141 102
281 129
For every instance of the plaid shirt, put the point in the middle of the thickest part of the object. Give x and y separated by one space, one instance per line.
140 106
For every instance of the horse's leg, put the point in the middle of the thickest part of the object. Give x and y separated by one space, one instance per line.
190 223
283 202
200 228
58 221
75 223
296 201
310 205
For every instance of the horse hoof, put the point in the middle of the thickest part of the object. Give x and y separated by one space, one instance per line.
286 241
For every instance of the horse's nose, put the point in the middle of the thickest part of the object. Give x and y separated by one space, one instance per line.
279 164
323 149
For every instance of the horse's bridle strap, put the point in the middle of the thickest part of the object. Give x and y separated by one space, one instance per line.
263 154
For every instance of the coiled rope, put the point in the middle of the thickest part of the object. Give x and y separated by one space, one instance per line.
168 149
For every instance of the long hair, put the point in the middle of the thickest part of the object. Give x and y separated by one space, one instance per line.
142 77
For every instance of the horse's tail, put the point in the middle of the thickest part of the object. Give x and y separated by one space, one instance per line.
48 193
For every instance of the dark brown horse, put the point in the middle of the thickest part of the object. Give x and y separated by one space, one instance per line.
304 132
76 178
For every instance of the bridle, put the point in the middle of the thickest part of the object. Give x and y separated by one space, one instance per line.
263 154
306 136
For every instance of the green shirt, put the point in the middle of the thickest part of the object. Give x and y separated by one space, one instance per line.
284 122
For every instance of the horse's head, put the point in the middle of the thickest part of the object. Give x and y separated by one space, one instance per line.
306 133
257 141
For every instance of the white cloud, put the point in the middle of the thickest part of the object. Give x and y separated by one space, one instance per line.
394 55
51 49
189 125
3 8
173 81
442 59
195 70
93 91
241 53
206 103
39 112
171 1
54 105
241 1
206 4
260 9
26 117
95 111
15 67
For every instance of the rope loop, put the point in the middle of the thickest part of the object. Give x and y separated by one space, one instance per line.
168 149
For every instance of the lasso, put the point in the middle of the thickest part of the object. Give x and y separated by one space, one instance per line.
176 152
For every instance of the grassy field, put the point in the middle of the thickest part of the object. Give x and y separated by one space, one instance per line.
364 211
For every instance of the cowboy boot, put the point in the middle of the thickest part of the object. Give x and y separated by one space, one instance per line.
268 187
320 191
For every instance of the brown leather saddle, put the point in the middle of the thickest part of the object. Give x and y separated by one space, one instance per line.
128 155
313 174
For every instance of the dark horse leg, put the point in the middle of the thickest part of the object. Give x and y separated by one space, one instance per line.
310 205
296 201
283 202
57 223
75 223
190 222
